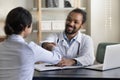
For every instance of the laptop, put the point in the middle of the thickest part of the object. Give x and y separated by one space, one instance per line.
111 59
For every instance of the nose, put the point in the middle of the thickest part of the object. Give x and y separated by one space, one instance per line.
71 23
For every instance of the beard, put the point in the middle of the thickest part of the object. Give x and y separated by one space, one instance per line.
70 29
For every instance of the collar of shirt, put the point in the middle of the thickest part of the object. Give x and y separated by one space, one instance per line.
66 39
77 38
16 38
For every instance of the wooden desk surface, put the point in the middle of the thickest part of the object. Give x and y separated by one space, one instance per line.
77 74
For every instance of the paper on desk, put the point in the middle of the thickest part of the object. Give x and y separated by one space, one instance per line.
42 67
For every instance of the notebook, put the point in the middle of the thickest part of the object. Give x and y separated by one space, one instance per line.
48 67
111 59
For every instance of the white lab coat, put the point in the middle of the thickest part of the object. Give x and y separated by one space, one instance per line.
17 58
81 49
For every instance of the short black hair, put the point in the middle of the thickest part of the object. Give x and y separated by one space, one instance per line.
78 10
16 21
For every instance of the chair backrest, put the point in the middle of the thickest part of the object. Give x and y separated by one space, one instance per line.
101 51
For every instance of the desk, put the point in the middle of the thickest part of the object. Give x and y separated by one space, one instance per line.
77 74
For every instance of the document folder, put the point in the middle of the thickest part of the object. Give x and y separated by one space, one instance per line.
45 67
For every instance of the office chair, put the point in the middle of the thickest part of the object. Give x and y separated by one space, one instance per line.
101 51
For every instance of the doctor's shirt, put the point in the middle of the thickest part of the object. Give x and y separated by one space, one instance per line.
79 48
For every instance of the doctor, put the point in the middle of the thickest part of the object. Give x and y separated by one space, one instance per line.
75 47
17 57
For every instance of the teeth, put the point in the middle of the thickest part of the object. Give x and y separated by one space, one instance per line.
70 28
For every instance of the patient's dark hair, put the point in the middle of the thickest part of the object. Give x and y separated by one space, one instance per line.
16 21
77 10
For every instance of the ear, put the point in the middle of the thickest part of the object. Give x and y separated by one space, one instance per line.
26 28
82 26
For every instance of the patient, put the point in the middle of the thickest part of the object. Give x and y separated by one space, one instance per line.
17 57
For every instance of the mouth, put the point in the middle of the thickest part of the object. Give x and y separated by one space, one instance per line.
69 28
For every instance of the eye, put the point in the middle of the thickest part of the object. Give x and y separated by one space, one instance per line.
76 22
68 19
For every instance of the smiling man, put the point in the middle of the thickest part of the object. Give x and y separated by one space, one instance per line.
75 47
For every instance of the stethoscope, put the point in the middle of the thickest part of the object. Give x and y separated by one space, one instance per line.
77 49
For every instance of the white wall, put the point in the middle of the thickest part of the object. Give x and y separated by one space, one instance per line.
95 18
7 5
97 28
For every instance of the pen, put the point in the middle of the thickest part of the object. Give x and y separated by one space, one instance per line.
49 65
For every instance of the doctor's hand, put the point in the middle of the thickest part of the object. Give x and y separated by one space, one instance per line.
66 62
48 46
